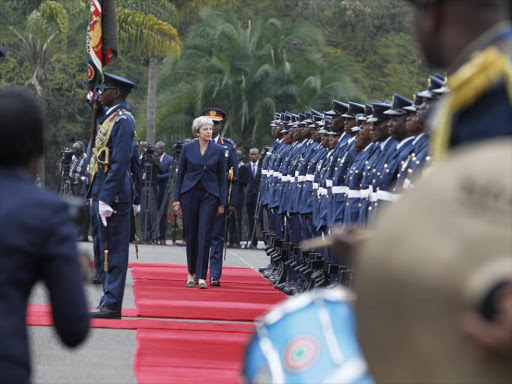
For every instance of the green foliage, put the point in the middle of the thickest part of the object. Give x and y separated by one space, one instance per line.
146 34
250 58
250 71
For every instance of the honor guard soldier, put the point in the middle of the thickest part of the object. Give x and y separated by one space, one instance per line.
111 189
309 190
337 126
219 226
379 135
416 127
397 129
345 158
365 149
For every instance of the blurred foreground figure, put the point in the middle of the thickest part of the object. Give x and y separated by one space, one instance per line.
472 39
37 240
433 283
309 338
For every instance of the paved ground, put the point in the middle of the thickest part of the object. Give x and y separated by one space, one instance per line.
107 355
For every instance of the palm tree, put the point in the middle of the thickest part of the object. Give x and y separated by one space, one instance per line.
46 27
151 37
251 71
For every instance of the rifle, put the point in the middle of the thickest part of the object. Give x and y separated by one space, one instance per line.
230 177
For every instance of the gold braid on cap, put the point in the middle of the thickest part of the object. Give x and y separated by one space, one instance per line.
467 85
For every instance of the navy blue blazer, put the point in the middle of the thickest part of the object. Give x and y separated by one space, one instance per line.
210 169
252 183
166 165
37 242
116 185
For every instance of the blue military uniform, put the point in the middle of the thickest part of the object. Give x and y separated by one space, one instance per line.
218 231
114 187
487 112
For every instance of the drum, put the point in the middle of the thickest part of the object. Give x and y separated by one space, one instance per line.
309 338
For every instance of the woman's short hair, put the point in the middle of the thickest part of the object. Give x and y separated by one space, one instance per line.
199 122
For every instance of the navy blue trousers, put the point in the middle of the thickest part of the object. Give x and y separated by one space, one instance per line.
117 233
199 207
97 239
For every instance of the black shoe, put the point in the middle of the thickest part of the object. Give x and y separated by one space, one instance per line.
263 269
214 282
254 246
97 279
104 313
235 245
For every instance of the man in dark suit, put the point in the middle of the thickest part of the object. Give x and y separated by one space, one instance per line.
37 240
111 189
167 164
252 175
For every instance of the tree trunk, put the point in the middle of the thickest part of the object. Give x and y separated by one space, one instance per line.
151 108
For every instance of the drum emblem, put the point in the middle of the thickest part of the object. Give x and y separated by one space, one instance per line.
300 353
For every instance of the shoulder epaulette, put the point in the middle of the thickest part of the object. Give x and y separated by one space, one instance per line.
124 114
468 84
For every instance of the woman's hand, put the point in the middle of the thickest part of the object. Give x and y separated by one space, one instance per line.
177 209
220 210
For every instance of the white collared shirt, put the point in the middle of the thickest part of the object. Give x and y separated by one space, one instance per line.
111 109
400 144
417 138
383 144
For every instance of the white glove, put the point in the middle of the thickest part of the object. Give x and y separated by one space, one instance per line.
105 211
136 209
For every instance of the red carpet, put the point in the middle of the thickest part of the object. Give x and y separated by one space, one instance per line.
187 351
41 315
199 356
160 292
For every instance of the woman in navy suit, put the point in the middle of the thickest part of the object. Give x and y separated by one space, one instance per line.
199 195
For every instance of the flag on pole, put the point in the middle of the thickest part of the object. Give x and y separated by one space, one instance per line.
101 40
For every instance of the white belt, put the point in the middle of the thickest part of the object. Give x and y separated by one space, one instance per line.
328 183
310 177
384 195
339 189
365 193
397 198
302 179
373 197
264 172
293 179
271 172
315 185
353 194
296 173
323 191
